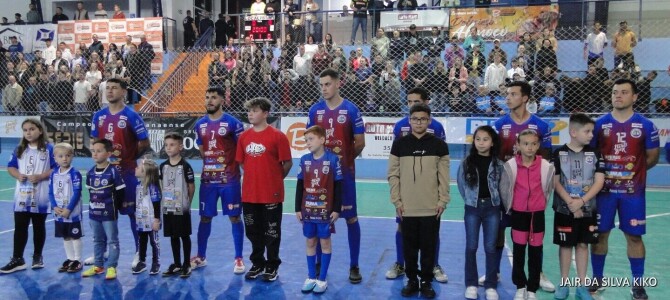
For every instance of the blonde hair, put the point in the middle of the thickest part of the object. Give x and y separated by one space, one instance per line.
150 174
64 147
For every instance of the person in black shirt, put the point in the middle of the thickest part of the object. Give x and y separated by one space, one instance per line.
220 27
205 23
231 28
190 31
59 16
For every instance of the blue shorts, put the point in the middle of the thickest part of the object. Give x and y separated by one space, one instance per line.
231 199
631 208
319 230
128 205
68 230
349 209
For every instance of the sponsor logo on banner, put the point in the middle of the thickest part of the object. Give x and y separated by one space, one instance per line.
11 126
31 37
422 19
504 23
294 128
157 128
66 27
378 137
83 27
75 130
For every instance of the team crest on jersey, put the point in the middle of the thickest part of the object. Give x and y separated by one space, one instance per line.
341 119
104 182
96 182
326 169
319 118
337 150
606 132
122 124
322 197
506 132
222 130
636 133
75 230
109 136
43 156
589 159
203 130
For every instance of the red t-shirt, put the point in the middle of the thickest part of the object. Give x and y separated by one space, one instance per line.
261 154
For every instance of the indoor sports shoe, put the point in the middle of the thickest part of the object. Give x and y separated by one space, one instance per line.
596 285
198 262
545 284
439 274
136 260
396 271
270 274
173 269
562 292
75 267
308 286
321 287
239 266
254 272
65 266
531 296
15 264
155 269
427 290
520 294
139 267
582 293
111 273
355 275
92 271
639 293
185 271
410 289
91 259
471 292
491 294
38 262
483 278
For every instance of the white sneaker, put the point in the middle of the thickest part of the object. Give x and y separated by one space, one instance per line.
439 274
531 296
91 260
395 271
136 259
491 294
239 266
483 278
471 292
520 294
545 284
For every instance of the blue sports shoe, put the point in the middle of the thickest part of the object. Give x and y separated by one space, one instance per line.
583 293
562 292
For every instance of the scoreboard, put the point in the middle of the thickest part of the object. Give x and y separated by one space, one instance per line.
259 27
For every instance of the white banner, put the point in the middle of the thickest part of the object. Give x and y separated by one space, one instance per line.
423 19
378 137
31 37
10 127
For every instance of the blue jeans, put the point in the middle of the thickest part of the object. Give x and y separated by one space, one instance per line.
80 107
309 28
487 216
363 23
105 233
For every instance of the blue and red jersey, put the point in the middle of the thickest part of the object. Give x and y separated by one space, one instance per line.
124 129
218 139
319 176
509 130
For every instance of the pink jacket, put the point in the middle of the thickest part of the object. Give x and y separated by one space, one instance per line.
462 77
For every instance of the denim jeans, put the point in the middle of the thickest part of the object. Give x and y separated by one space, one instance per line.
487 216
105 233
80 107
309 28
363 23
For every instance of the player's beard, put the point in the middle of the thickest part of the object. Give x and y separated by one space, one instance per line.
213 111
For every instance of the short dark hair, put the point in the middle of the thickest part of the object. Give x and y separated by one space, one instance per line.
218 91
420 107
525 87
58 7
175 136
633 85
423 93
580 119
188 11
106 143
122 84
263 103
330 73
17 15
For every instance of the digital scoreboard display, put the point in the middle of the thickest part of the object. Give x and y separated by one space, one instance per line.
259 27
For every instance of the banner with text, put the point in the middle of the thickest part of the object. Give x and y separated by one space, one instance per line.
158 127
423 19
31 37
75 130
504 23
115 31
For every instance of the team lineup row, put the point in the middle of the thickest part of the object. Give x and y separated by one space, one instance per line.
159 196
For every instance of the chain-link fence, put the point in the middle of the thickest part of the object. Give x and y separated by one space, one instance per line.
565 75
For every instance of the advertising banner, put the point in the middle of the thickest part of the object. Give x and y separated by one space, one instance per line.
11 126
503 23
31 37
158 127
75 130
423 19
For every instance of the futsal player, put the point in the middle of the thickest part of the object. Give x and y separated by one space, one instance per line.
345 136
508 127
402 128
125 129
216 136
630 146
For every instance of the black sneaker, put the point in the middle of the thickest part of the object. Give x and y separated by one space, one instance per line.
38 263
65 266
595 285
155 269
639 293
355 275
270 274
173 269
15 264
254 272
75 266
185 270
427 290
410 289
139 267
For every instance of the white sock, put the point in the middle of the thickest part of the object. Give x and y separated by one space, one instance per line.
77 245
69 250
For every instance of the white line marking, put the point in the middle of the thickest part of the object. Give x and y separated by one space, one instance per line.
9 189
